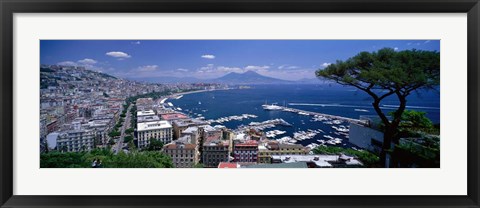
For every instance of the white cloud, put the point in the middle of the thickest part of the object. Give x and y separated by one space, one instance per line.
427 41
256 68
87 61
286 66
118 54
147 68
67 63
395 49
208 56
229 69
183 70
325 64
409 43
136 43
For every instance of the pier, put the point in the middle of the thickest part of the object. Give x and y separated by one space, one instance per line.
333 117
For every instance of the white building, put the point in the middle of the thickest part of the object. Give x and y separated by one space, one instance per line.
76 140
159 130
145 113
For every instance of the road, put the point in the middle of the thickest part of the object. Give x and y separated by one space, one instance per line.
126 124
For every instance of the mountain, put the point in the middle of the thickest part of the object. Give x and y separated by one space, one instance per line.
249 77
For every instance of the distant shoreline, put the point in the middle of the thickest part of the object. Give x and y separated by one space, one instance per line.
190 92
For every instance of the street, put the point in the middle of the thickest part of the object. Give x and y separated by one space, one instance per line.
126 124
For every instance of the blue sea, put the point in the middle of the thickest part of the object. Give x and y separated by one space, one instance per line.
329 99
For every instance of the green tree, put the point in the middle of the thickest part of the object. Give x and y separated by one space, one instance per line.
369 159
127 139
155 145
129 130
415 120
114 134
109 160
131 145
385 73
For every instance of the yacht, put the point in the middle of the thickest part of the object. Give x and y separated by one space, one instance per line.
271 107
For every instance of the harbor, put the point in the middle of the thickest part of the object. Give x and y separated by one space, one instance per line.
273 107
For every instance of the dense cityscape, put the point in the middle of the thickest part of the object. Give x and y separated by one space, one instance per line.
87 111
114 110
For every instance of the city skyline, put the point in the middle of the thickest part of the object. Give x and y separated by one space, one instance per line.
210 59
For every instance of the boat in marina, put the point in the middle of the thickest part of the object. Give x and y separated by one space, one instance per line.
271 107
303 113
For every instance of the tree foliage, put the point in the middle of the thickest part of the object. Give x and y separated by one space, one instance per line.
385 73
412 119
155 145
129 130
369 159
127 139
109 160
114 134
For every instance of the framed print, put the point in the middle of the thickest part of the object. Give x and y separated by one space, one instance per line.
250 104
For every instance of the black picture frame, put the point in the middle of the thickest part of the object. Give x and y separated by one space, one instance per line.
10 7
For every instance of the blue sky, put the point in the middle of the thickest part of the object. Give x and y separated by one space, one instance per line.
205 59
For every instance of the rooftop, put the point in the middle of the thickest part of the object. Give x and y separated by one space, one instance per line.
278 165
153 125
319 160
190 130
179 146
143 119
173 116
145 113
228 165
188 122
247 143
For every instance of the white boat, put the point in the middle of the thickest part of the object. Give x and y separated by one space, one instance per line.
170 104
328 136
199 102
302 113
179 109
271 107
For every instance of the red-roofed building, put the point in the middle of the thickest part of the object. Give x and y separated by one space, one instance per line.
228 165
173 116
246 151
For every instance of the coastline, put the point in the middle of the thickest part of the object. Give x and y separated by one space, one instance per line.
163 100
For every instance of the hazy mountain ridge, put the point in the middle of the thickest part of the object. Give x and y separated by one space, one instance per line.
249 77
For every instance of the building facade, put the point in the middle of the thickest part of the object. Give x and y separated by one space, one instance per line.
76 140
159 130
214 152
183 155
266 152
246 152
